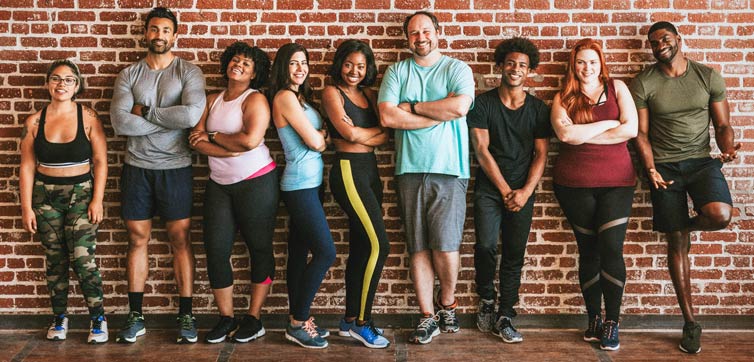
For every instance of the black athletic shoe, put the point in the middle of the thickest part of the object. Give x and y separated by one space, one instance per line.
224 328
692 335
249 329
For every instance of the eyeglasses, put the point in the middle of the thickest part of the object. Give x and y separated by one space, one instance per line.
67 81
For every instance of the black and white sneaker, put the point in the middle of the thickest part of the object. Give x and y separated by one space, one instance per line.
249 329
224 328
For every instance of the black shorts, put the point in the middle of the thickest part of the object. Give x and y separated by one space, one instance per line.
144 192
700 178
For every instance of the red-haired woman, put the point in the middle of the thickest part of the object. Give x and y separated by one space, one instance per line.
594 116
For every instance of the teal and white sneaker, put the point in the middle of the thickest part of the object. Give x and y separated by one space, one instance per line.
345 327
368 335
187 329
97 330
305 335
58 329
134 328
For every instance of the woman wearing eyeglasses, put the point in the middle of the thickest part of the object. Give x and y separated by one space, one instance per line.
594 116
62 181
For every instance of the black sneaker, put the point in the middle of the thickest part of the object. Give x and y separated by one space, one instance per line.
593 333
224 327
505 330
485 316
448 320
609 340
691 341
250 328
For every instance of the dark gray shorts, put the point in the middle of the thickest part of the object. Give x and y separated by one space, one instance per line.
433 209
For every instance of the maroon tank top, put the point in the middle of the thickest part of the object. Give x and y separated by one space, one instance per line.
589 165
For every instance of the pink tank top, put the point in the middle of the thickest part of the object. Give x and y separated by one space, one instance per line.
589 165
227 117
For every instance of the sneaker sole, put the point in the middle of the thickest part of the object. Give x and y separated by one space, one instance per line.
591 339
140 333
344 333
450 330
606 348
294 340
186 340
56 338
364 341
257 335
511 341
97 340
214 341
434 334
684 350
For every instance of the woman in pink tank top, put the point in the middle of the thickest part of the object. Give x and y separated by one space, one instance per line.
594 117
242 190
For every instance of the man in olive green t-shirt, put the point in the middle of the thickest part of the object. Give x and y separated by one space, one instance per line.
676 98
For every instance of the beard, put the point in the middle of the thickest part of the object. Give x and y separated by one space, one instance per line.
669 58
424 51
155 48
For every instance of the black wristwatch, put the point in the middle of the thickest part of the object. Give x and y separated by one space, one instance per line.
144 111
413 107
211 137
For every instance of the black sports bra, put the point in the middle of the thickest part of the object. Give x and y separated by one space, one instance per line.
361 117
60 155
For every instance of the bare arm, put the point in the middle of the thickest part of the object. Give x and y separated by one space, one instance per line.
644 150
393 116
332 102
575 134
447 109
293 113
720 114
99 160
517 199
628 119
480 139
26 172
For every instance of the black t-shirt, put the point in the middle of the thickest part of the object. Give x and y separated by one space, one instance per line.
512 132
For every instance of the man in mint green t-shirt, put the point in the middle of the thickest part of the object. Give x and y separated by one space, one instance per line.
426 98
676 99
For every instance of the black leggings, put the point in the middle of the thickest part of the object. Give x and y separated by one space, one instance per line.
356 185
251 206
599 218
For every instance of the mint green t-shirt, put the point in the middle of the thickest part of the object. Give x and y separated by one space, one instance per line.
679 112
443 148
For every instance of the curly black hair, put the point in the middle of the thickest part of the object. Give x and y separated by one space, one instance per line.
260 58
344 50
517 45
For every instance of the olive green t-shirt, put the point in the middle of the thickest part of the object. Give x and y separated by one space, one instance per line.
679 114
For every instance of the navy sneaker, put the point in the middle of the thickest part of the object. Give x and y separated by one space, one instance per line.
609 340
305 335
368 335
134 328
593 332
187 329
448 320
425 331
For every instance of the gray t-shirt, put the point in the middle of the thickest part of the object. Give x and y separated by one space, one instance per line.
176 99
679 114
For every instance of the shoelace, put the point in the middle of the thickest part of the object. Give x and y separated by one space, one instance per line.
607 329
593 324
310 328
186 322
132 319
449 315
426 323
372 328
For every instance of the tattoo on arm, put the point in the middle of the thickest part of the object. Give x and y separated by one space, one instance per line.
24 131
91 112
566 122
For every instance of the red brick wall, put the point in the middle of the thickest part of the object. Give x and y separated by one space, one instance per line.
103 36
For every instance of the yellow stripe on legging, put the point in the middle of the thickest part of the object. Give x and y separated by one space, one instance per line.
361 211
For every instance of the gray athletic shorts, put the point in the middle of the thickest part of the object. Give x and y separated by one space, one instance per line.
433 209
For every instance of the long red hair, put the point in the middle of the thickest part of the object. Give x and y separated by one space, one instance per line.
577 105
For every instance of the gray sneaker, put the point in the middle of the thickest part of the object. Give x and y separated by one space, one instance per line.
305 335
505 330
187 329
448 321
485 317
426 329
134 328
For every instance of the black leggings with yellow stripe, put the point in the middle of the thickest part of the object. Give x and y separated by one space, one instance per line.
356 186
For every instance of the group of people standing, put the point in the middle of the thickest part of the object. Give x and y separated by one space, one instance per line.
159 103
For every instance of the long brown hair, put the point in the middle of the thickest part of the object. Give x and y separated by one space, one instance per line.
577 105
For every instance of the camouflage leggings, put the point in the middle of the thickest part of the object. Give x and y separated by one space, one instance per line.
69 238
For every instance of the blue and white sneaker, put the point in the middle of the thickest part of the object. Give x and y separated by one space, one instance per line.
305 335
134 328
58 329
345 327
187 329
97 330
368 335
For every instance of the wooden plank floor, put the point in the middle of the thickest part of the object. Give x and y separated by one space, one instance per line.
469 345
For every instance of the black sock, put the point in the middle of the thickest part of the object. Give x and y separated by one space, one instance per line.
184 305
134 301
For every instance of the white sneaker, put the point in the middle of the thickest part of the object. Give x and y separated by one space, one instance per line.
97 330
58 329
